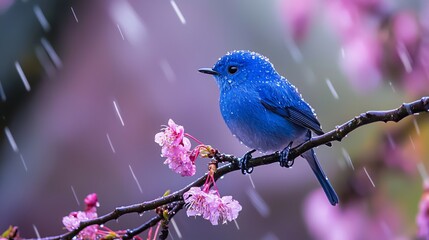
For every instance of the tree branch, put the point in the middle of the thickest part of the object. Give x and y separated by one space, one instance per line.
337 134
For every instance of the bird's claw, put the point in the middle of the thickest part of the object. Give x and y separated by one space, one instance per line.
244 162
284 157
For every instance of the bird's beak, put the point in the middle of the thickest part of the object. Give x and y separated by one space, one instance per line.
208 71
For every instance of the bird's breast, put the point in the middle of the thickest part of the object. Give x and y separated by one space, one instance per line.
253 124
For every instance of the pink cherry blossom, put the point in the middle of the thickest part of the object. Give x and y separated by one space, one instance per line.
73 220
171 135
177 149
209 205
196 202
91 201
222 209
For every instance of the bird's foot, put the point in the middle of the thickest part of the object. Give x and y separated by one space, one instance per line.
284 157
244 162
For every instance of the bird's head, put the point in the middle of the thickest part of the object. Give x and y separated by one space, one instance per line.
240 67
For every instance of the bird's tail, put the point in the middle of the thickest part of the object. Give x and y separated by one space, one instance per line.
310 156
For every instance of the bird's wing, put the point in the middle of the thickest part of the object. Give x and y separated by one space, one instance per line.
292 108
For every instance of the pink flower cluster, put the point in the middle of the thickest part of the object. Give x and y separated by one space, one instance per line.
379 41
176 148
209 205
204 202
72 221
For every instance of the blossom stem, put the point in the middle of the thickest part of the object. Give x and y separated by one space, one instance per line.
193 138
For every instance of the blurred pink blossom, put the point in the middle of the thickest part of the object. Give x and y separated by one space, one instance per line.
370 5
401 157
351 220
361 62
297 16
417 82
407 30
345 18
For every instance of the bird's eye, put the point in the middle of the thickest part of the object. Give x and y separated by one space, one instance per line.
232 69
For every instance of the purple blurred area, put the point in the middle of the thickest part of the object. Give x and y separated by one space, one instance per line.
85 61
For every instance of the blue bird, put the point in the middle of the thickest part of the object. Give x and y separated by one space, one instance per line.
265 111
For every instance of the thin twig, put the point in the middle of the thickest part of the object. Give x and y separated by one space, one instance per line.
337 134
152 222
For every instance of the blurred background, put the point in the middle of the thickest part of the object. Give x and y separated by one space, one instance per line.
85 86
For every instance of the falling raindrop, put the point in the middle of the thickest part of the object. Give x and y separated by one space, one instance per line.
343 53
22 76
178 12
126 17
259 203
169 234
110 143
117 112
422 170
74 14
135 179
309 75
51 52
43 58
251 180
176 228
120 31
11 139
347 157
236 224
391 141
2 93
405 57
23 162
42 19
412 142
369 177
416 125
36 231
294 50
75 196
393 87
331 88
167 70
